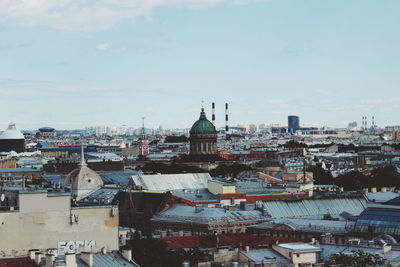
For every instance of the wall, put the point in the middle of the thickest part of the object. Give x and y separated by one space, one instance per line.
44 220
219 188
8 164
296 258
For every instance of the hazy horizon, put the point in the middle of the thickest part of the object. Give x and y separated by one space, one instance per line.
78 63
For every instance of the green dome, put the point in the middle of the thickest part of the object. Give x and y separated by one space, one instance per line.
202 125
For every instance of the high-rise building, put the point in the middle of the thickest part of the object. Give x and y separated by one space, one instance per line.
293 124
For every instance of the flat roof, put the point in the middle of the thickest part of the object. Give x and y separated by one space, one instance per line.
19 170
300 247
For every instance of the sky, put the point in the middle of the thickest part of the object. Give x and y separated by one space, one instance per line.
75 63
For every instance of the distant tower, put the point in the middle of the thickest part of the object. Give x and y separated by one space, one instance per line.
293 124
226 118
143 142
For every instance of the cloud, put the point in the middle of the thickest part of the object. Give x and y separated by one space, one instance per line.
86 16
103 47
322 91
391 100
106 47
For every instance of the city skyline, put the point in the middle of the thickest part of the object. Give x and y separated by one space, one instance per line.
328 63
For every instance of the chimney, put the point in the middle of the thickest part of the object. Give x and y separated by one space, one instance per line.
386 249
247 248
70 260
38 257
127 254
213 113
32 253
383 189
87 258
373 190
365 191
226 117
49 260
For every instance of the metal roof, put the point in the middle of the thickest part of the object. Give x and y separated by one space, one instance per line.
167 182
310 225
113 259
314 207
205 215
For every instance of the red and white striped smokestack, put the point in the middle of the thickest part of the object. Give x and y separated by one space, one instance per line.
213 113
226 118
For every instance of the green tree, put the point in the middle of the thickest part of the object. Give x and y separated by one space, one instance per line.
386 176
229 170
320 175
353 180
294 144
358 258
176 139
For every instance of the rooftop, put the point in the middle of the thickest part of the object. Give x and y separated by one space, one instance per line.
300 247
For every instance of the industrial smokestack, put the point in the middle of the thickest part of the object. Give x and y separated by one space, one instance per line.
213 113
226 118
363 123
366 123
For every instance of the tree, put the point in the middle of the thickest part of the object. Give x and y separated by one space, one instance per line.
320 175
176 139
353 180
386 176
294 144
229 170
358 258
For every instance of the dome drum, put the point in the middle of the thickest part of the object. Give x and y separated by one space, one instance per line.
203 137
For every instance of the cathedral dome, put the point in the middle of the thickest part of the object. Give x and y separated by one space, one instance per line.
202 125
83 181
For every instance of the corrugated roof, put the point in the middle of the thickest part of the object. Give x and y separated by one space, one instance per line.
167 182
113 259
205 215
314 207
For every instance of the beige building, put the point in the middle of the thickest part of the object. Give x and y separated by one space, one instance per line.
217 187
300 254
46 221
